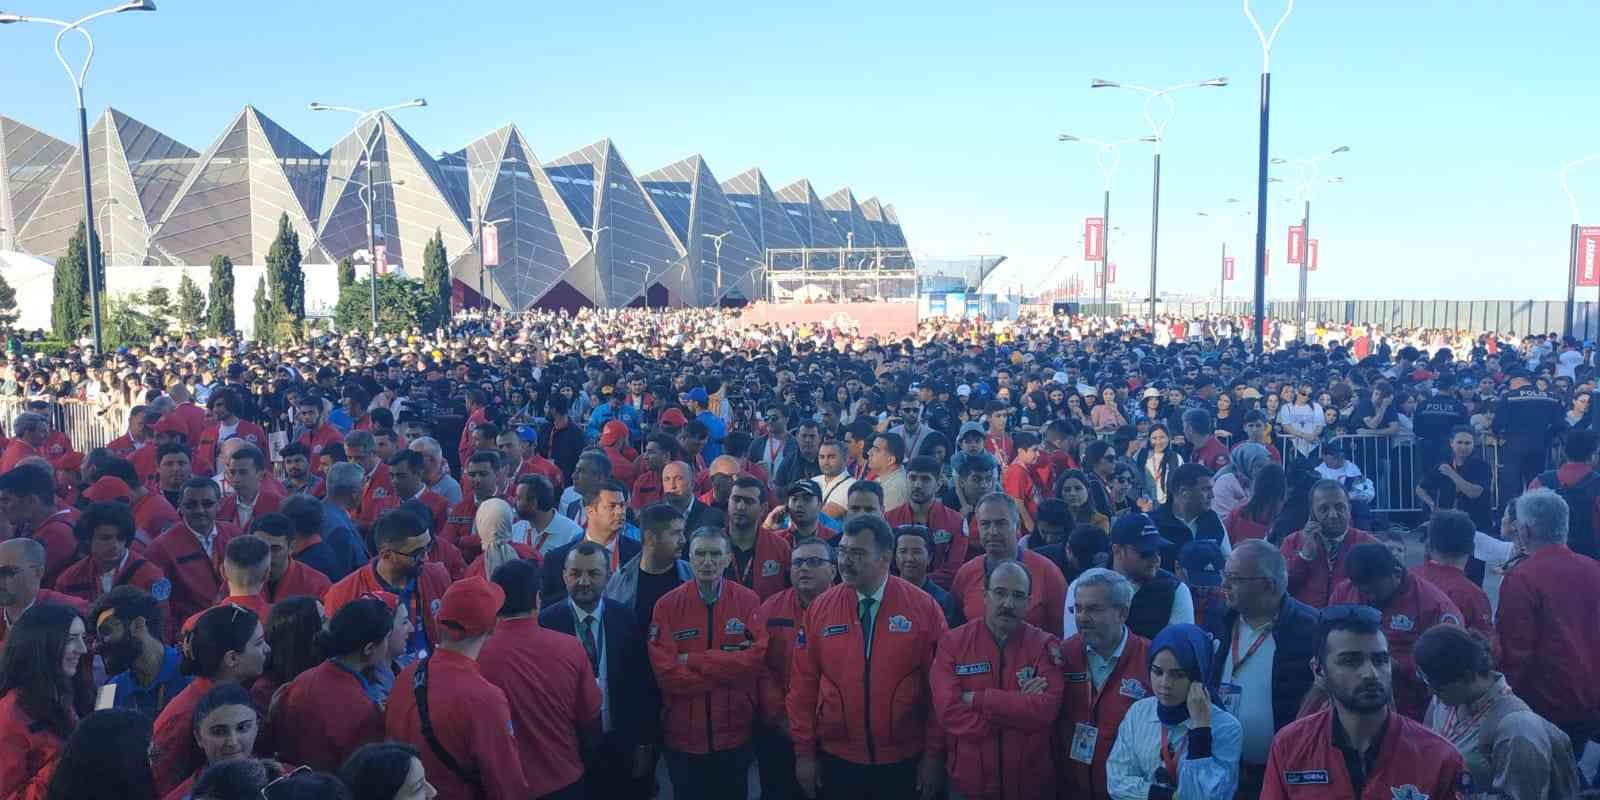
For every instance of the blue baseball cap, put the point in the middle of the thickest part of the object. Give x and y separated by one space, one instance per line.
698 395
527 434
1202 562
1139 531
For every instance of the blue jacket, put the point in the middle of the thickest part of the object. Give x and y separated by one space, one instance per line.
719 431
603 414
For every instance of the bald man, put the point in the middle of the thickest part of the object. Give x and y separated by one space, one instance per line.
21 570
677 481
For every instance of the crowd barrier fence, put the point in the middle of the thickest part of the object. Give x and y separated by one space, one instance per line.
82 422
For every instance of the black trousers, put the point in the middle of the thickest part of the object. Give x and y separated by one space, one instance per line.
610 774
1525 459
723 775
847 780
775 758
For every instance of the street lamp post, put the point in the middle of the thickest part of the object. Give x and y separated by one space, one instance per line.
1157 128
1573 236
716 245
1225 220
1266 38
362 115
364 193
1308 170
1107 155
77 77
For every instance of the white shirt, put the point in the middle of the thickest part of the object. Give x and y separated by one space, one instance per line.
836 490
1303 419
1101 666
1137 753
559 532
578 616
110 576
1254 678
1182 609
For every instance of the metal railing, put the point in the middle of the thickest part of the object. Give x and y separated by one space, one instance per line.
1394 465
82 422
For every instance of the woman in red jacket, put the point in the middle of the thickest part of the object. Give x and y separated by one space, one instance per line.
1253 519
225 725
37 702
227 645
330 710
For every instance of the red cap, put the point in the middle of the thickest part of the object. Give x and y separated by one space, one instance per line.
171 424
108 487
613 432
469 606
673 418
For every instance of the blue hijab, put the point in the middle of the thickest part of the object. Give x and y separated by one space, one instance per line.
1191 646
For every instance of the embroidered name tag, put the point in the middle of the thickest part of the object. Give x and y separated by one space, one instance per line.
1307 777
981 668
690 633
734 627
834 630
780 622
1077 677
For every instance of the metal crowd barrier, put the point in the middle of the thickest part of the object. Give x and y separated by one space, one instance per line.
85 428
1393 465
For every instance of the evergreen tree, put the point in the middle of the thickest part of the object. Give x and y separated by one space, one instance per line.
403 304
191 304
70 304
346 272
265 319
158 305
436 280
8 305
219 317
286 284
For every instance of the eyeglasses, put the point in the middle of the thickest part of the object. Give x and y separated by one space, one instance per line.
265 790
810 562
1349 612
419 553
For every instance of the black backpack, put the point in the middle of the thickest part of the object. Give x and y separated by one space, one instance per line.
1580 499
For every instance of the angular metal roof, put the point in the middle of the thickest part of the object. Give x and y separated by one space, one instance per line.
722 257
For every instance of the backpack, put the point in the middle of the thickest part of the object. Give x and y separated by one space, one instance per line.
1580 498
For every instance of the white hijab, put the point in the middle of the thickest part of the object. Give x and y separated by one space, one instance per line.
492 524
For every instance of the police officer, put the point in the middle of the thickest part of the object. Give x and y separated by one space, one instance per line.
858 700
1525 419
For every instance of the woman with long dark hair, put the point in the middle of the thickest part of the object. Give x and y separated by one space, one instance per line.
330 710
38 708
227 645
291 634
386 771
1073 489
107 758
1156 459
1268 492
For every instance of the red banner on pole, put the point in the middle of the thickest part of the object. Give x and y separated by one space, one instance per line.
1099 277
381 258
491 246
1297 244
1311 257
1113 275
1589 256
1094 239
1227 268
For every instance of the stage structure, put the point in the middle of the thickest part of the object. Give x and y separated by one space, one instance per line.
841 275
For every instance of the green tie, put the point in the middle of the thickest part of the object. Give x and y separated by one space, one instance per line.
864 611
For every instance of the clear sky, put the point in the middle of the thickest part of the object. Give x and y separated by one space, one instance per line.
1458 114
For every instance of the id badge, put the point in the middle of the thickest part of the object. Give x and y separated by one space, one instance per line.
1084 737
1230 694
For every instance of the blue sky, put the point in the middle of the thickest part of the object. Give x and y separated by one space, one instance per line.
1458 114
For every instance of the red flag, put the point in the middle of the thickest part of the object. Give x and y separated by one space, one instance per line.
1227 268
1099 277
1311 247
491 246
1094 239
1297 243
1113 276
1589 256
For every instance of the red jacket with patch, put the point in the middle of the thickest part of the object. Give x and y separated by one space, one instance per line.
1467 596
709 699
767 573
268 500
1413 763
998 745
205 447
152 514
952 543
196 578
1312 582
875 710
82 579
1046 604
458 526
471 718
780 616
1418 606
315 440
377 495
1101 711
432 582
553 695
524 552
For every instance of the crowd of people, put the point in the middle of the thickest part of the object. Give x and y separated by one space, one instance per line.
628 552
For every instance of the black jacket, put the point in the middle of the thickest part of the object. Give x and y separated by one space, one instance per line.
702 516
552 589
1294 635
635 701
1207 526
563 446
953 614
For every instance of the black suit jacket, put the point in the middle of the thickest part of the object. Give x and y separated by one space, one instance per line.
635 700
552 589
703 516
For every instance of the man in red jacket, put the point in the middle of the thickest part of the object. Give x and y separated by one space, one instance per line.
1549 642
1450 543
1105 671
477 414
28 500
951 539
252 495
190 553
760 560
482 473
286 576
707 654
997 687
402 569
812 567
29 434
1410 606
316 434
1316 553
860 711
998 517
21 567
1310 758
105 530
377 488
225 406
458 721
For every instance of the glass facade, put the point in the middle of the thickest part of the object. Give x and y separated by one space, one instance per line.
708 218
887 235
30 162
763 216
847 217
810 219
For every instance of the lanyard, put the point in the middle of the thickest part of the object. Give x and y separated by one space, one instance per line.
1261 636
1169 759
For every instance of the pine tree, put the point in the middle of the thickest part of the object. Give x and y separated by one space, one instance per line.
436 280
346 272
265 319
219 317
158 305
69 305
286 284
8 305
191 304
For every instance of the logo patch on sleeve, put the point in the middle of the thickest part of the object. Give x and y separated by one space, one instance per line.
686 633
835 630
1408 791
1306 777
1401 622
980 668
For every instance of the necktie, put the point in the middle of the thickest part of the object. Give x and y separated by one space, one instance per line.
864 611
586 635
